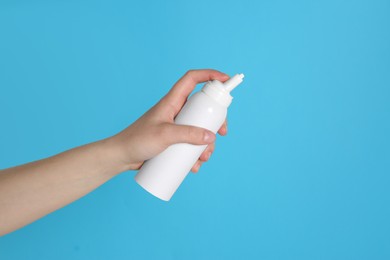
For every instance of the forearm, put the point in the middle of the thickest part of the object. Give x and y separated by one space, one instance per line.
33 190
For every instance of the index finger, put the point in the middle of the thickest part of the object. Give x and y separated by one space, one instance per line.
177 96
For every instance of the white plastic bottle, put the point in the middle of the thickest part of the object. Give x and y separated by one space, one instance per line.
163 174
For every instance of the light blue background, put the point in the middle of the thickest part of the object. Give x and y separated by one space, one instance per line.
303 172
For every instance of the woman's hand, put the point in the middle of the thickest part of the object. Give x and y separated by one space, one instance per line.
33 190
155 130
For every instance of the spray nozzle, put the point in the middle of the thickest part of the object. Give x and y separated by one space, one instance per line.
233 82
221 91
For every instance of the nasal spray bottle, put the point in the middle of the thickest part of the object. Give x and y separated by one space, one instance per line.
163 174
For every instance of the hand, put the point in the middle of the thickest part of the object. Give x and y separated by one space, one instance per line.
35 189
155 130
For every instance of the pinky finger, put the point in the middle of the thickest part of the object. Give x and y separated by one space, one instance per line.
196 166
223 129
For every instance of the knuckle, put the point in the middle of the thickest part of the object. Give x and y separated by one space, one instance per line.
190 132
190 73
210 148
196 134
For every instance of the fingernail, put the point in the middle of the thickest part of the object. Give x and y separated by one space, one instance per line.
226 76
208 155
208 137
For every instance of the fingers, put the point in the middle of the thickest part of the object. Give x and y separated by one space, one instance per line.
193 135
177 96
223 129
187 134
205 156
196 166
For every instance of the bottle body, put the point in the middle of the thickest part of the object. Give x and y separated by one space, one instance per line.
163 174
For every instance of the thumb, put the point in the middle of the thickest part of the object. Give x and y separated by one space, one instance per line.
189 134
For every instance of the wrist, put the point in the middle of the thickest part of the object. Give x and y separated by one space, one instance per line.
109 156
113 154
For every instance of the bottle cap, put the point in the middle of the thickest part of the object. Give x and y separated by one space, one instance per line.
221 91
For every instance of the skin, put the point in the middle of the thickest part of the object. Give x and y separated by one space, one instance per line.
31 191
